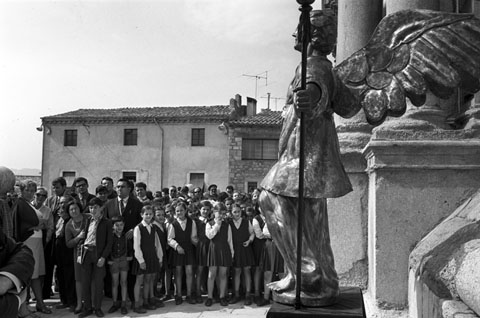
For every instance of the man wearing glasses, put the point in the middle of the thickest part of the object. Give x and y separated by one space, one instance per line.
129 208
83 197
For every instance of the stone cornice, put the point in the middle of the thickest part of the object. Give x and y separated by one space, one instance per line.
423 155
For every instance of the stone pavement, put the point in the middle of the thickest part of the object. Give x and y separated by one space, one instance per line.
186 310
171 310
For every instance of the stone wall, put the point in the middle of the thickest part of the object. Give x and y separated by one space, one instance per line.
243 171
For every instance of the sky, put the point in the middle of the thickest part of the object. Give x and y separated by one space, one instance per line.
59 56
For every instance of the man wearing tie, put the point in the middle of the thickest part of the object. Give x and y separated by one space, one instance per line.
129 208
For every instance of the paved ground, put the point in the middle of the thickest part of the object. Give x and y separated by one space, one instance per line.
170 310
216 311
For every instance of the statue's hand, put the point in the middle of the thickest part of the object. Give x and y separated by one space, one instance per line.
305 100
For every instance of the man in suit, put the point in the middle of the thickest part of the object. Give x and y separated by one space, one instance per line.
83 196
16 269
129 208
59 189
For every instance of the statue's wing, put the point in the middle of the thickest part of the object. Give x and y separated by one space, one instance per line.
409 53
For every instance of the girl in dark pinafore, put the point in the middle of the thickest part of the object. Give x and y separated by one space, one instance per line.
182 237
202 246
220 252
242 237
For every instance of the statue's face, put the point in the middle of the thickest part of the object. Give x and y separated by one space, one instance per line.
298 42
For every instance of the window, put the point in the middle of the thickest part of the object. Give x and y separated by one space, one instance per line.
70 139
197 179
130 175
68 174
251 186
260 149
130 137
69 178
198 136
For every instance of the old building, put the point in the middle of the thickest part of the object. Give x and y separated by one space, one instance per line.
160 146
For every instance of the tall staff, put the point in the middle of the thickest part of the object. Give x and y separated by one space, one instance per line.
304 36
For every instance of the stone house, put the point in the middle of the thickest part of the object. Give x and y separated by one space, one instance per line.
160 146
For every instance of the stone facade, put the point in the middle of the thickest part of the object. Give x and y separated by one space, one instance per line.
241 172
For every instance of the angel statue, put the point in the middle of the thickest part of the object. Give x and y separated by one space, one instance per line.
409 54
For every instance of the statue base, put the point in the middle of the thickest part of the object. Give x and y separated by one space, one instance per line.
288 298
348 304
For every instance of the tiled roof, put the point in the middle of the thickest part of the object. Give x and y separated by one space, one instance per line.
142 114
266 117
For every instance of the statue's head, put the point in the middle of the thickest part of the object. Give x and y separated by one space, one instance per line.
323 31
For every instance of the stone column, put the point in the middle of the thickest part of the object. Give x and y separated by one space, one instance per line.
356 22
348 215
433 114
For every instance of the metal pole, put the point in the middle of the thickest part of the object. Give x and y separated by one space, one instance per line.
304 26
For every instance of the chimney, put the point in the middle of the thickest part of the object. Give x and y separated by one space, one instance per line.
238 98
251 106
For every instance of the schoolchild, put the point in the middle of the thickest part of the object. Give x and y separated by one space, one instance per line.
159 222
169 218
258 245
228 204
182 238
242 238
271 263
202 248
249 213
96 249
120 256
148 259
220 253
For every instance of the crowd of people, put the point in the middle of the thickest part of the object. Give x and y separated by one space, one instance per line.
139 247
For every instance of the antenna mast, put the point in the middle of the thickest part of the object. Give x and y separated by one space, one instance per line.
269 97
257 77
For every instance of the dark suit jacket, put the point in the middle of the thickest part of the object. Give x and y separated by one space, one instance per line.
84 207
131 215
24 219
104 237
16 259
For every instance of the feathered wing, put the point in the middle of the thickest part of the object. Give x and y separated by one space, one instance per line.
410 53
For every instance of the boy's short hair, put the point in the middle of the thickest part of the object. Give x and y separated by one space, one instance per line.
59 180
95 201
117 218
142 185
146 207
80 179
206 203
108 179
101 189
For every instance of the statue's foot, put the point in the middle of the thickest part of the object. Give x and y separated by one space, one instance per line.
285 284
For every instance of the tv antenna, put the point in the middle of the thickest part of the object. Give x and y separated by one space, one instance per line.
257 77
269 97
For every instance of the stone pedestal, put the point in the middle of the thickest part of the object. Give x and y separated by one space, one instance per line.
349 304
347 218
416 178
